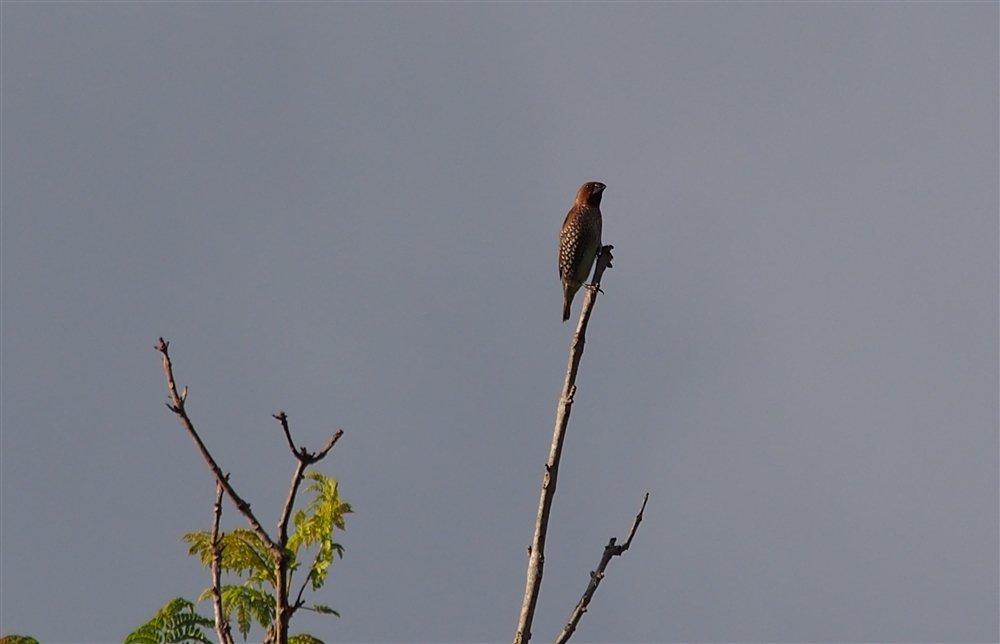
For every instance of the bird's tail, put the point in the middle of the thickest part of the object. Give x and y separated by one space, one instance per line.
569 290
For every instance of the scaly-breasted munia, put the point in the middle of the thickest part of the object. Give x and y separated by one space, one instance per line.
580 241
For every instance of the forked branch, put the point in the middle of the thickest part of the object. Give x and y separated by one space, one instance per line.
536 553
610 550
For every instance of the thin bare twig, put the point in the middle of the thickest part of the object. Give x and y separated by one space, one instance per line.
178 408
282 418
329 445
610 550
536 558
221 624
298 599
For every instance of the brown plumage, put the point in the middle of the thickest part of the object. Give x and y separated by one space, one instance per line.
580 241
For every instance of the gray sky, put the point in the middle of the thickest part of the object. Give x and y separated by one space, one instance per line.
351 212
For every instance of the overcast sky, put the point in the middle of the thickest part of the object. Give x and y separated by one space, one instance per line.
350 212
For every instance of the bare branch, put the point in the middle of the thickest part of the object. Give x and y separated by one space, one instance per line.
329 445
286 512
610 550
178 408
635 525
221 624
299 603
282 418
302 453
536 558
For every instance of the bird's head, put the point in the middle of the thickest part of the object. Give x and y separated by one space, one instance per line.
590 193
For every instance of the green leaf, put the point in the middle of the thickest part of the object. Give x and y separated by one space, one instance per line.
242 553
175 623
18 639
250 604
326 610
316 525
304 639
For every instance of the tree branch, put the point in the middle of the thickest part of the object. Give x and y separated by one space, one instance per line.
536 558
329 445
178 408
298 600
221 624
282 418
610 550
305 458
302 453
284 610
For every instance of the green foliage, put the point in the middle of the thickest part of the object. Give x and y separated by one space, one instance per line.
176 623
316 525
24 639
246 556
242 553
326 610
248 602
304 639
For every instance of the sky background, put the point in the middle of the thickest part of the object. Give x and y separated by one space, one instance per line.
350 212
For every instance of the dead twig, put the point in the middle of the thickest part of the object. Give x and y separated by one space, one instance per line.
610 550
282 418
177 406
536 558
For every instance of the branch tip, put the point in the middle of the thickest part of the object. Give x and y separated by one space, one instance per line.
610 551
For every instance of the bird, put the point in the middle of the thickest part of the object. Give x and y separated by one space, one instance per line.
580 241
